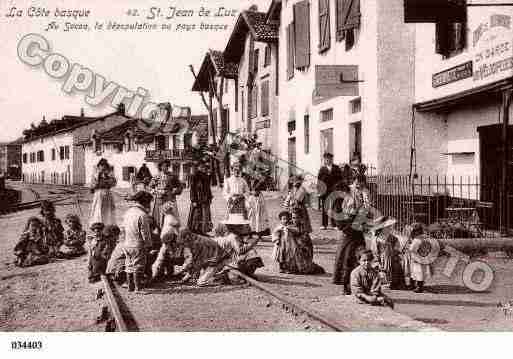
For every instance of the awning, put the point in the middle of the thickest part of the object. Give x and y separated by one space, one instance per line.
467 96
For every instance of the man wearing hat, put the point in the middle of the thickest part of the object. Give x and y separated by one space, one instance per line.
165 187
200 220
136 222
327 179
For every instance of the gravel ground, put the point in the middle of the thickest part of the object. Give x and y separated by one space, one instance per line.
57 297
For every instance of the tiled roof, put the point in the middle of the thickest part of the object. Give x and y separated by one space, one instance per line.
262 31
139 128
223 67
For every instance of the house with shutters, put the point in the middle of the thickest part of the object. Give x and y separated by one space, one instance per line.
49 150
217 79
134 142
348 83
253 47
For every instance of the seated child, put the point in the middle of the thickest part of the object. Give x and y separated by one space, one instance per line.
99 253
52 227
366 282
74 238
31 249
279 239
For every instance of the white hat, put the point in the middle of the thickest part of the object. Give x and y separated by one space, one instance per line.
382 222
235 218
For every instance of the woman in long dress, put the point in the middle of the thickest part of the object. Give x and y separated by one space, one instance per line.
235 190
200 220
165 187
297 201
297 251
103 209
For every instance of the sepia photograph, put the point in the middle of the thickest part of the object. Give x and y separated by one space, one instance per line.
295 167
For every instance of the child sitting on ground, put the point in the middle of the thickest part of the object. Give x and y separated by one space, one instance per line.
366 282
52 227
99 252
74 238
31 249
279 237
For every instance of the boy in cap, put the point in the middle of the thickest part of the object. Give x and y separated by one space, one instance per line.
327 179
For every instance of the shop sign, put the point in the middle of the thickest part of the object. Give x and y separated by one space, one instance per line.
493 50
335 80
453 74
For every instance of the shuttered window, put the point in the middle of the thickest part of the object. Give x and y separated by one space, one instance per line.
307 133
450 37
251 57
53 154
348 17
265 98
61 152
252 102
24 158
324 25
302 34
255 61
126 172
290 51
66 152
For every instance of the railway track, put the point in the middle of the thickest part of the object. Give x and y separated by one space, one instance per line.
122 317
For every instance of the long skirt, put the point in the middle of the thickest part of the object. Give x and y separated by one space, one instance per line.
307 224
103 209
200 220
297 256
157 214
257 214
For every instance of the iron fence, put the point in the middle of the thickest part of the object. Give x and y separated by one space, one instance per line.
451 206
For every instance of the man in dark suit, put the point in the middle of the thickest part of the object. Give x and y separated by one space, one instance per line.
329 176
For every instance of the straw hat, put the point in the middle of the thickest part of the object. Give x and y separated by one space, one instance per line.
235 219
382 222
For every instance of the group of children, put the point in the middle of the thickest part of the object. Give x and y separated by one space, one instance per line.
44 239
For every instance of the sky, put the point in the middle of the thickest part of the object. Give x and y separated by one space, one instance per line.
157 61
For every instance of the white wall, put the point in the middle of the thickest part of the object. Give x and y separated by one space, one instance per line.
38 172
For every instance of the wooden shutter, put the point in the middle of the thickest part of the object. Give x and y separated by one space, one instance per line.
302 33
324 25
265 98
290 51
125 173
348 16
442 40
255 61
251 59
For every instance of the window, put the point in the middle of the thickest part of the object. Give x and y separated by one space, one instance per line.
252 102
324 25
126 172
267 55
307 133
450 37
290 51
327 115
302 34
66 152
24 158
265 98
40 156
355 140
53 154
255 61
61 153
291 126
356 105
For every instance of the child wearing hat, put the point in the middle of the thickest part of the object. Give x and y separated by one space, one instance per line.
52 228
99 252
366 282
74 238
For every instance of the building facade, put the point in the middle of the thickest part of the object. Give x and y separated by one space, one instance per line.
347 84
10 159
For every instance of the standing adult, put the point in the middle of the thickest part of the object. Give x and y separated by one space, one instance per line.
327 179
235 190
165 186
298 201
143 176
137 238
355 212
103 209
200 220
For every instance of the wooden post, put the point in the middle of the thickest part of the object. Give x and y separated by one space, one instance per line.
506 100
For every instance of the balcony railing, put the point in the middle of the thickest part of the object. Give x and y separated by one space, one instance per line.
172 155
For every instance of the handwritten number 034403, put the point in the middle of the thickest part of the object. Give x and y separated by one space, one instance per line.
19 345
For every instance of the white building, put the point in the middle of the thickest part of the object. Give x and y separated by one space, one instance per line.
346 84
49 151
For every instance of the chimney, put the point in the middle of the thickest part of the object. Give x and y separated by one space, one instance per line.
82 112
253 7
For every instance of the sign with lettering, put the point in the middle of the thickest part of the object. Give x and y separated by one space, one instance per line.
335 80
493 50
453 74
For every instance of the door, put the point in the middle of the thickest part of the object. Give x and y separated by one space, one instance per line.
187 142
326 142
491 171
292 156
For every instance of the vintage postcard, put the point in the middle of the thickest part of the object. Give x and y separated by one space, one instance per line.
255 166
